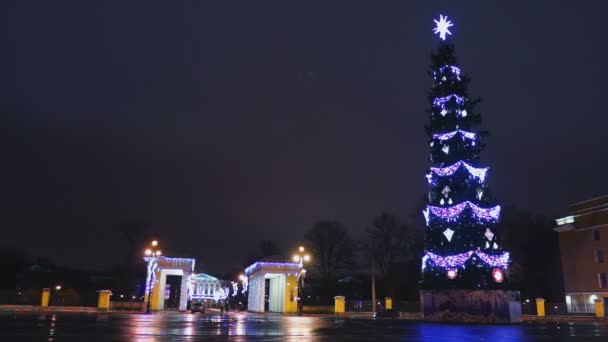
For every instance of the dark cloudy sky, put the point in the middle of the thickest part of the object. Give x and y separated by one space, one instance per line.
223 123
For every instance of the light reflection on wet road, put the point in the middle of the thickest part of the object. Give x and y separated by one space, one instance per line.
244 326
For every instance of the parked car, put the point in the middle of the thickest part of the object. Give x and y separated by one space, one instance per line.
386 314
197 307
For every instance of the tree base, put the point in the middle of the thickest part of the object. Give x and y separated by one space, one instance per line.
470 306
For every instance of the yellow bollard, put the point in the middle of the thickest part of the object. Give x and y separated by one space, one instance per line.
599 307
388 303
340 304
540 307
46 295
103 302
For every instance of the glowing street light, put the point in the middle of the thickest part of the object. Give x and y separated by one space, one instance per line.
58 287
241 277
300 258
151 253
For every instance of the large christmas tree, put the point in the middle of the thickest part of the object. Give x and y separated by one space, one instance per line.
462 247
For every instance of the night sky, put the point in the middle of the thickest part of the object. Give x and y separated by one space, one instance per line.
222 123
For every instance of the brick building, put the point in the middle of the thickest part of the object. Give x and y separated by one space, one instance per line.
583 242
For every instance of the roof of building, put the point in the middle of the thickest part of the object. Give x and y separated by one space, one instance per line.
203 276
587 214
280 266
594 204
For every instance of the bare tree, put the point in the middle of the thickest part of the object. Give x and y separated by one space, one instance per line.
333 252
391 241
393 246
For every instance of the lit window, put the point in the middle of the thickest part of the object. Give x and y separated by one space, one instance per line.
592 299
565 220
596 235
601 277
599 256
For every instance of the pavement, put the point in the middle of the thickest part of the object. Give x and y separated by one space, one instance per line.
175 326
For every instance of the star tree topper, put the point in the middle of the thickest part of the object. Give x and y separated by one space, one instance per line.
443 26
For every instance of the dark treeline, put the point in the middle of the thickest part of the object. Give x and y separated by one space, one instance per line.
341 263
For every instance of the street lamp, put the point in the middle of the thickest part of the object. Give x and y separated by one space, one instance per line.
152 253
300 258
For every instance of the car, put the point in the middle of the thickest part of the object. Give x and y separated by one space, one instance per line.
386 314
197 307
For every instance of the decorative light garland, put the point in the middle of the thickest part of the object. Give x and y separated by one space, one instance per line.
151 274
221 293
457 260
174 262
260 264
450 135
245 284
441 101
190 286
501 260
479 173
454 69
449 213
450 261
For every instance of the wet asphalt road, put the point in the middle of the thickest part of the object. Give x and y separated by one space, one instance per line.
255 327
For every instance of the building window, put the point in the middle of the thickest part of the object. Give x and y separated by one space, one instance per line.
601 277
596 235
599 256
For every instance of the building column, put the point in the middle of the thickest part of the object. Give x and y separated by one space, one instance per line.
183 295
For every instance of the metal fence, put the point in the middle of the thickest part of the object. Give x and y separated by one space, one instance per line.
20 297
67 297
365 305
558 308
528 307
555 309
581 308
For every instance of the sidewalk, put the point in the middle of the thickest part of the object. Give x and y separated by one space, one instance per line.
352 315
564 319
79 309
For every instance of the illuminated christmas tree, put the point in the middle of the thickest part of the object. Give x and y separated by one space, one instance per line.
462 247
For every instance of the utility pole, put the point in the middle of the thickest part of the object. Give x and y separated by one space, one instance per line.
373 284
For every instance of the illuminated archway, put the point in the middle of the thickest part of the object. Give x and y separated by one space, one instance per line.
158 270
283 287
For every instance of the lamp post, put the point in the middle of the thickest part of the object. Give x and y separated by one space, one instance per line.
300 258
152 253
56 298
